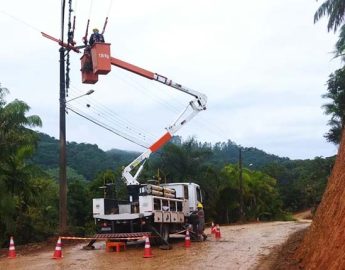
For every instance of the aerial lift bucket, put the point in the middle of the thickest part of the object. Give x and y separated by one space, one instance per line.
100 53
87 75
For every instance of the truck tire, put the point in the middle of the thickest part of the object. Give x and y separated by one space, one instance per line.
161 231
164 232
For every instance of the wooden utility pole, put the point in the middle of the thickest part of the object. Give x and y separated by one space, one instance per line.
241 183
62 162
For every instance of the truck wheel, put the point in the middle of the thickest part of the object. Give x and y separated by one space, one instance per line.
164 231
161 231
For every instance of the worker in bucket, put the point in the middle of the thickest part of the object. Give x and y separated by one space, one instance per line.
201 222
96 37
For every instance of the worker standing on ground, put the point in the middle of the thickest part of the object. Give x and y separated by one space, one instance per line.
96 37
201 222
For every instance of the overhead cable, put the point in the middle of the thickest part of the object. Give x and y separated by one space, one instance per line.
112 117
111 129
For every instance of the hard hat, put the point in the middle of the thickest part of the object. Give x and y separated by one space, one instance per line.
95 30
200 205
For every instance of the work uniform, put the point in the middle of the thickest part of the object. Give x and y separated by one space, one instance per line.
201 221
96 37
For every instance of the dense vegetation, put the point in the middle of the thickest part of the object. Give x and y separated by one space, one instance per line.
27 196
272 186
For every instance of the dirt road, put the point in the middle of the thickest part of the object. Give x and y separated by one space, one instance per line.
240 247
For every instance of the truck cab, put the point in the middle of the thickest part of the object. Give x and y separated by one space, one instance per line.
188 191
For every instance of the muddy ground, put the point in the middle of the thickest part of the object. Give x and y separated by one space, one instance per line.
282 257
240 247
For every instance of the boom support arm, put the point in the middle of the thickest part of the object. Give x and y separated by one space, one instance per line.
197 104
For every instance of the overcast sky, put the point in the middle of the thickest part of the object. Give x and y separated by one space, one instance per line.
262 64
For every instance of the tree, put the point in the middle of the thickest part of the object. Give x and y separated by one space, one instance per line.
213 185
182 162
335 10
79 204
17 142
260 194
336 108
14 123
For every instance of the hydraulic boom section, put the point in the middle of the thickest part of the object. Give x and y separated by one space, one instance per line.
198 104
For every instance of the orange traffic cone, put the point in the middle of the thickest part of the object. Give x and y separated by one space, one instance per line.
187 239
58 250
217 233
213 228
11 249
147 250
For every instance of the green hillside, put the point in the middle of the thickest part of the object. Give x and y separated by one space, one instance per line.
86 159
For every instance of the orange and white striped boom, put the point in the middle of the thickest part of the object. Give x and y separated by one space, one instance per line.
197 104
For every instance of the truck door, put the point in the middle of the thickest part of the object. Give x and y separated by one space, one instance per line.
198 194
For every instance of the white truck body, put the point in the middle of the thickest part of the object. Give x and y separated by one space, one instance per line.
164 210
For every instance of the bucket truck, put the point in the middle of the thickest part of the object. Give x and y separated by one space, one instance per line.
160 209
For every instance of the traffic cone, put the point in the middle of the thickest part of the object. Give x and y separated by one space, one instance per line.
187 240
217 233
11 249
147 250
213 228
58 250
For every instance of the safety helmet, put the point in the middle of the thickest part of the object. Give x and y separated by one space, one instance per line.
95 30
199 205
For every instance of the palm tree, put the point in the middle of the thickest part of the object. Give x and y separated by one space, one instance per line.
14 125
340 45
16 140
335 10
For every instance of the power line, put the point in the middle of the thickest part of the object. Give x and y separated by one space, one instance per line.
106 113
210 126
139 86
95 121
21 21
109 8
